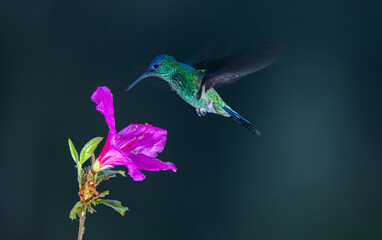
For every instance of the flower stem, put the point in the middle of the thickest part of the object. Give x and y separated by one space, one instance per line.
81 228
79 168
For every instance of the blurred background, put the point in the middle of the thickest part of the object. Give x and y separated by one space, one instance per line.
315 173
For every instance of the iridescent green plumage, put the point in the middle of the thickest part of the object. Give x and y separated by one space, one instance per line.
195 84
185 80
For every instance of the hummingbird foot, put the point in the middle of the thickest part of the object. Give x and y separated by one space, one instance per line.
200 111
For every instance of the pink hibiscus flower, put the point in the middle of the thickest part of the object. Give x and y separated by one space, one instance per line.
136 146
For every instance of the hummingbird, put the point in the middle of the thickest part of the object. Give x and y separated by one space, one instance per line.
195 83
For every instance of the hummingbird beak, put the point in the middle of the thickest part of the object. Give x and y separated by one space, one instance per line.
147 74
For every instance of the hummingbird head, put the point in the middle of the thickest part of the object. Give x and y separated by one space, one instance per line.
161 67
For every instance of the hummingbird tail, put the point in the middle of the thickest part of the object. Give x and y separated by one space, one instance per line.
235 116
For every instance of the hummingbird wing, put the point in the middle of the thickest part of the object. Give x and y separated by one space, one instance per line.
230 68
211 51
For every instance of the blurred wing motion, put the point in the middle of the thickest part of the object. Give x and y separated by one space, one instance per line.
211 51
230 68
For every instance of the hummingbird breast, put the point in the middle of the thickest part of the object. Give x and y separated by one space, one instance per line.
188 87
185 81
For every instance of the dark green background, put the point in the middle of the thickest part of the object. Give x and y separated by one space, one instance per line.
314 174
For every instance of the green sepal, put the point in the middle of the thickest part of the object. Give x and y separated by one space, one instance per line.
107 173
88 149
73 151
116 205
103 194
76 210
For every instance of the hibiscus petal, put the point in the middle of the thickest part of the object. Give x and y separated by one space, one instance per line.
104 100
142 139
151 164
111 156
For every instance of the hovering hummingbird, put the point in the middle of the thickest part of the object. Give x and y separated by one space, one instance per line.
195 82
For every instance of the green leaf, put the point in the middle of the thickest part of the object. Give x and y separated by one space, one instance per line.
107 173
75 210
88 149
111 172
73 151
103 194
116 205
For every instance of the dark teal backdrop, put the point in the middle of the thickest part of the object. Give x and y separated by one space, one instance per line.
314 174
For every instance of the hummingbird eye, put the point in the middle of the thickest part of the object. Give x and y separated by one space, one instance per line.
155 66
